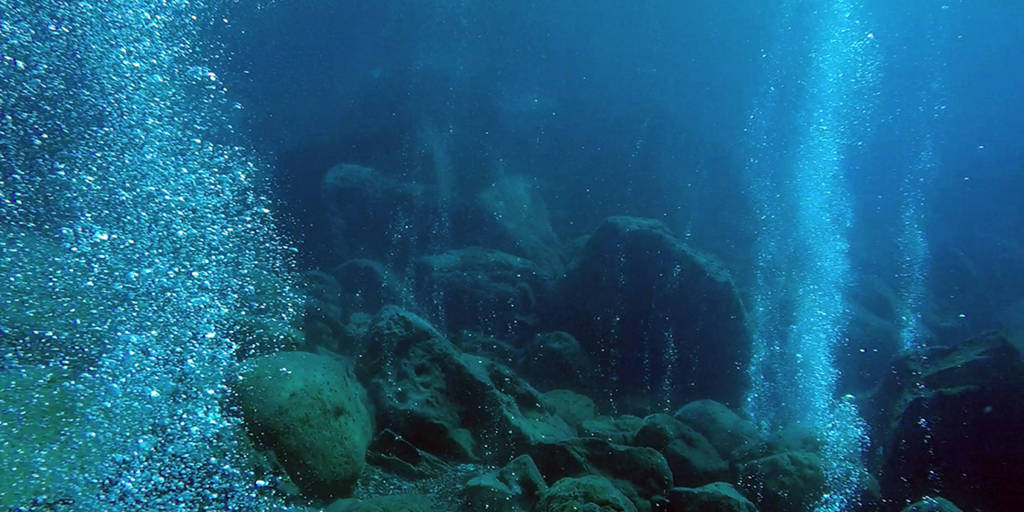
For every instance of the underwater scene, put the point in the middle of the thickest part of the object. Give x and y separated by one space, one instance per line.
511 256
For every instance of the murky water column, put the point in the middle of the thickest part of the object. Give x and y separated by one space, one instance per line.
136 244
804 206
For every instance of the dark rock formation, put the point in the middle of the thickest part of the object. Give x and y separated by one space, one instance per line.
713 497
394 454
366 286
481 289
571 406
451 404
312 412
373 216
947 421
659 320
556 360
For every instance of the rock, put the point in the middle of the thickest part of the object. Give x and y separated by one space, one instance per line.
641 473
398 503
556 360
510 215
663 324
615 429
713 497
930 504
481 289
391 452
312 412
584 494
785 482
480 344
514 488
690 456
451 404
722 427
323 321
366 286
571 406
373 216
948 419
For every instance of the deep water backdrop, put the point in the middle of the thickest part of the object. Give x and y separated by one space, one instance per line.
808 210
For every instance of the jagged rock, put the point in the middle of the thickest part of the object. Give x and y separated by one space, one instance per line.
785 482
662 323
366 286
722 427
948 420
398 503
481 289
713 497
571 406
930 504
691 457
615 429
584 494
312 412
514 488
556 360
395 454
454 405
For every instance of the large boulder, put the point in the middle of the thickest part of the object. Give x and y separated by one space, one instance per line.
784 482
947 420
482 289
312 412
713 497
691 457
454 405
723 428
556 360
584 494
663 324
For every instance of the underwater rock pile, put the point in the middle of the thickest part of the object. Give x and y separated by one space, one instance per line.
493 383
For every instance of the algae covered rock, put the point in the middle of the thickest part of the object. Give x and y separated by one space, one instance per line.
722 427
312 412
713 497
556 360
690 456
785 482
584 494
650 310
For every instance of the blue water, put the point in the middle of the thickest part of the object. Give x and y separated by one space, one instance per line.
161 169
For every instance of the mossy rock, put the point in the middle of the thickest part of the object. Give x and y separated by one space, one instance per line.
312 412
